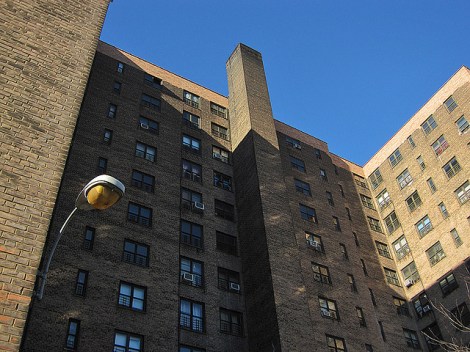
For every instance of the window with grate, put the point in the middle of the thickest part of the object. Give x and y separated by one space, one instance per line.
191 234
135 253
392 222
139 214
218 110
321 273
328 308
192 315
367 201
382 248
221 154
451 168
297 163
191 171
435 253
89 238
231 322
145 151
404 179
81 282
191 120
73 329
383 199
191 272
423 226
219 131
224 210
308 213
132 296
143 181
151 102
226 243
228 280
391 277
302 187
375 178
463 192
440 145
401 247
191 99
374 224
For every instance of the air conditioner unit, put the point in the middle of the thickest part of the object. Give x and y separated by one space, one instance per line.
315 244
297 146
144 126
216 155
188 277
235 287
326 313
409 282
317 277
199 205
426 308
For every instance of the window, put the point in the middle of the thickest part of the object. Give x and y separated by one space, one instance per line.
443 210
372 297
335 344
382 248
413 201
392 222
220 154
367 202
112 111
344 251
135 253
152 81
422 305
448 284
328 308
352 282
149 125
336 224
139 214
297 163
462 125
451 168
429 125
132 296
226 243
125 342
117 87
341 190
463 192
411 339
145 151
317 153
218 110
191 120
435 253
190 349
421 163
192 144
219 131
424 226
440 145
228 280
329 197
374 224
191 234
107 136
360 316
323 176
364 267
383 199
308 213
402 306
391 277
120 67
369 348
192 200
73 329
294 143
81 283
461 315
89 238
401 247
432 335
192 171
191 272
302 187
192 315
224 210
450 104
410 274
151 102
314 241
222 181
456 237
321 273
191 99
404 179
411 141
382 331
231 322
395 158
375 178
356 240
143 181
431 185
360 181
102 165
348 213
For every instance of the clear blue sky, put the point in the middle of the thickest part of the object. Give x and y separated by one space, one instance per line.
347 72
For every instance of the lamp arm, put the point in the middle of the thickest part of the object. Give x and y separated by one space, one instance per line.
43 274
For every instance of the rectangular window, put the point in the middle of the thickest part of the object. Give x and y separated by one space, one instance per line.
401 247
297 163
308 213
231 322
191 234
364 267
382 331
218 110
192 315
152 81
391 277
192 144
328 308
294 143
462 125
341 190
431 185
451 168
191 99
395 158
422 305
360 316
463 192
360 181
329 198
143 181
81 283
125 342
374 224
224 210
402 306
135 253
461 314
336 224
356 240
221 154
191 272
392 222
411 141
112 111
372 297
443 209
73 328
435 253
151 102
120 67
411 339
410 274
352 282
348 213
321 273
302 187
429 125
344 251
383 199
192 171
107 136
382 248
323 175
89 238
335 344
102 165
440 145
228 280
222 181
314 241
317 153
456 237
139 214
448 284
219 131
226 243
149 125
424 226
450 104
191 120
421 163
375 178
190 349
413 201
432 334
367 201
404 179
192 200
117 87
132 296
145 151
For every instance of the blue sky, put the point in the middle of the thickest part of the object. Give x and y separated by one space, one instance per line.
348 72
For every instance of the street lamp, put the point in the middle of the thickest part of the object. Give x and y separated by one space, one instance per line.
100 193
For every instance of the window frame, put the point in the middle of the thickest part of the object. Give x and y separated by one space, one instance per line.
328 308
321 273
137 256
220 131
194 268
73 334
192 238
191 120
450 104
424 226
429 125
129 337
149 125
218 110
451 168
191 143
463 192
145 151
150 102
227 324
222 181
395 158
195 323
226 243
127 300
308 214
382 249
448 284
404 179
435 253
143 181
191 99
191 170
440 145
413 201
81 283
138 218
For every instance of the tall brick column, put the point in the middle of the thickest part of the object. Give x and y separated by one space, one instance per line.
275 296
46 51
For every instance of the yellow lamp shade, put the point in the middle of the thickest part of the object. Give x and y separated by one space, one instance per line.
102 197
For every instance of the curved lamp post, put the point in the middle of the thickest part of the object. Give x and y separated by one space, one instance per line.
100 193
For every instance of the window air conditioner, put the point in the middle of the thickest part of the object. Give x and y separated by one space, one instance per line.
235 287
326 313
199 205
409 282
144 126
297 146
188 277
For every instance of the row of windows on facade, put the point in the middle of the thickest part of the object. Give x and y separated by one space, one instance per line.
299 164
188 97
